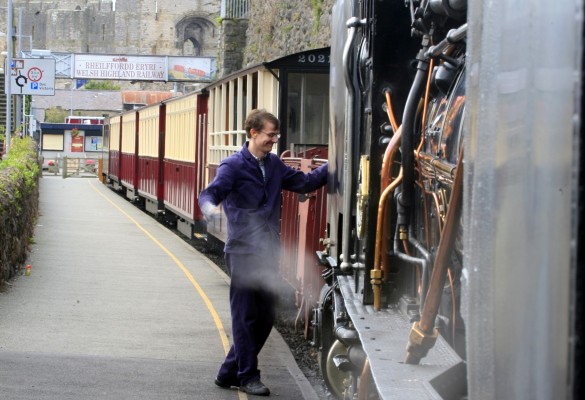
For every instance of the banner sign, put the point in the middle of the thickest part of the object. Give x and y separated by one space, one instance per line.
143 68
191 69
88 66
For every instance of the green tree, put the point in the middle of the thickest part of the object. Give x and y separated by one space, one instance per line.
56 115
101 85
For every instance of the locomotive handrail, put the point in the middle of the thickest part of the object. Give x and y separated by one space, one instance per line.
353 23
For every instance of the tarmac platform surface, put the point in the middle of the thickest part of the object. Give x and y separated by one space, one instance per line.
119 307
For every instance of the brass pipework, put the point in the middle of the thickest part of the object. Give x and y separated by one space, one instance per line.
376 281
419 343
402 234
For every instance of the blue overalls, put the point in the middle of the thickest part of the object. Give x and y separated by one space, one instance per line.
252 202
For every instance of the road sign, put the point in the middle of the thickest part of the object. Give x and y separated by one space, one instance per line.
33 76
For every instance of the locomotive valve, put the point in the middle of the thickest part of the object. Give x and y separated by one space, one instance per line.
419 343
376 281
403 233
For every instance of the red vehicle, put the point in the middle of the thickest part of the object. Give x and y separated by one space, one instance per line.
84 120
113 151
129 152
122 139
150 187
157 154
184 158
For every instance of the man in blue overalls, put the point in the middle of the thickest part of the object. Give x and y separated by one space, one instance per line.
249 185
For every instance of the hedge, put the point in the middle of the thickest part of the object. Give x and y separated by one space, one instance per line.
19 203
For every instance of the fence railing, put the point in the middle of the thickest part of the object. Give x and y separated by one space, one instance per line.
235 9
73 167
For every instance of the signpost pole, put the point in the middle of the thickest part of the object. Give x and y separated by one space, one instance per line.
8 75
19 99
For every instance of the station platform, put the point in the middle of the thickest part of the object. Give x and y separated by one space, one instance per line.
119 307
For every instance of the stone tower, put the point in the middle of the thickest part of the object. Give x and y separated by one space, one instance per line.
134 27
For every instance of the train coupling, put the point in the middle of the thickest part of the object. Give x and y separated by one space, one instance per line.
419 343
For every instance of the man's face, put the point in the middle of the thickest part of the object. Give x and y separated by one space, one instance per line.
264 139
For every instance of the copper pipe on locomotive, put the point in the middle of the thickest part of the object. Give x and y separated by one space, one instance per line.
422 339
425 103
392 146
388 185
404 198
386 180
381 252
423 334
381 269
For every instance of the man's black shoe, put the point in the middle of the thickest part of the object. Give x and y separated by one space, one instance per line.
226 384
255 387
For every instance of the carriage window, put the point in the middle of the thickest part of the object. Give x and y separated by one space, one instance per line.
307 118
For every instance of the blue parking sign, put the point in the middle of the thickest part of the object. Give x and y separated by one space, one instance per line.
34 85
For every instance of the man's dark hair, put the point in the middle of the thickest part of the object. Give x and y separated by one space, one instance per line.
256 120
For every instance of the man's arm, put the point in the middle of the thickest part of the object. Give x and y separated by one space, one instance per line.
300 182
216 191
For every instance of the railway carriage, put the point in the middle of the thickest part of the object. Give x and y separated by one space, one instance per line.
128 173
185 138
163 155
105 154
150 187
112 174
230 100
294 88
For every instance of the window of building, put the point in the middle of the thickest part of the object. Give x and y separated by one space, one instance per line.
53 142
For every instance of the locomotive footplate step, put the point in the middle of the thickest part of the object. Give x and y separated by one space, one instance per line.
384 335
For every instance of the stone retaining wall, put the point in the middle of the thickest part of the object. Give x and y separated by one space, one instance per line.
278 28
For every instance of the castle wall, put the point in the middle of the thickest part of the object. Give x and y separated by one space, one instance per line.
133 27
274 29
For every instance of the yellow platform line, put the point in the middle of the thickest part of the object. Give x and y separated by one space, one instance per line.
208 303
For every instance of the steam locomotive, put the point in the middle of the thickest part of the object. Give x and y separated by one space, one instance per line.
443 260
452 264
